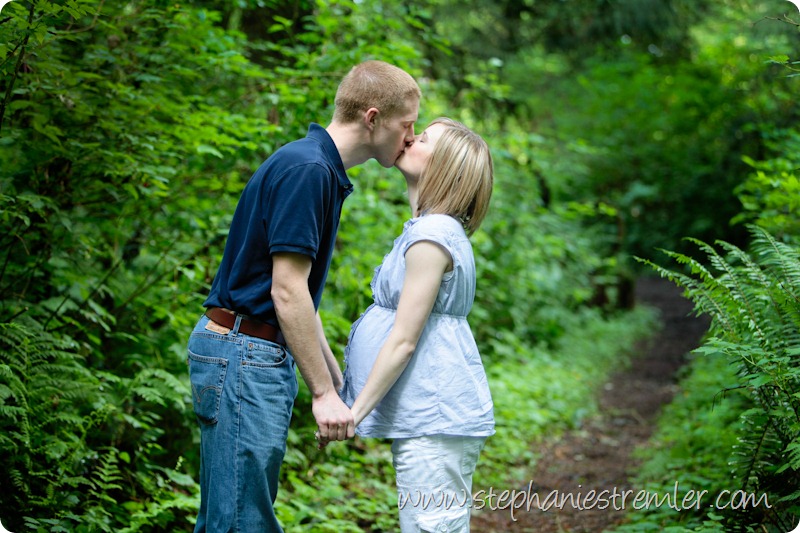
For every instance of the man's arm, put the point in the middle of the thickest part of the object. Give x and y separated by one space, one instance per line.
330 359
300 327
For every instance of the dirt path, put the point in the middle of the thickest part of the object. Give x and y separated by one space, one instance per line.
597 456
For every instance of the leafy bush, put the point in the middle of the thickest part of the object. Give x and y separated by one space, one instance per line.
83 449
754 302
127 130
111 112
771 194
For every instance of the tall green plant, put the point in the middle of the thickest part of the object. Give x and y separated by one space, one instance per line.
771 194
111 112
69 438
754 300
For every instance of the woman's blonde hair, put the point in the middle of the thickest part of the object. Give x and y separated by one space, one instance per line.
458 177
374 84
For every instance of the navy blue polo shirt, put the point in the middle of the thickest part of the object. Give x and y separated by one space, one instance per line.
292 203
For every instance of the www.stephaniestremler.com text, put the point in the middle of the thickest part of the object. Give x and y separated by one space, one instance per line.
527 499
613 498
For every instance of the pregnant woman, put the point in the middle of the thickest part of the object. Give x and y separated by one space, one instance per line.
413 372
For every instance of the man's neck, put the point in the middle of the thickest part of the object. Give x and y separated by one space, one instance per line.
351 142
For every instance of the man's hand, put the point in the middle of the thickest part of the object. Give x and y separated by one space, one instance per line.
306 340
334 418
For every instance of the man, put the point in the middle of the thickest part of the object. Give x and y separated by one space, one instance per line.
261 315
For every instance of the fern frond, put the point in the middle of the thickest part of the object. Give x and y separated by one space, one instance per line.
754 299
699 292
781 257
757 283
737 289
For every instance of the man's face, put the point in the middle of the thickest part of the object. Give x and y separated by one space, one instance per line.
393 134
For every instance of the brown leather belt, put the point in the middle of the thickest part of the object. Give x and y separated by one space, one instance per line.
248 326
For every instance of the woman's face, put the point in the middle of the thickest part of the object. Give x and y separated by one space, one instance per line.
413 161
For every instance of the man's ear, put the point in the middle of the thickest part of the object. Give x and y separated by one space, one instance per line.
371 117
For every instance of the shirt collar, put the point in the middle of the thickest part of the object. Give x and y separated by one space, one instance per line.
319 134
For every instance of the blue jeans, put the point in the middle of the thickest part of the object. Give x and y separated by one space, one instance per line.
243 390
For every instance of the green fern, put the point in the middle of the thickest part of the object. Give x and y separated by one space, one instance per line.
753 298
69 436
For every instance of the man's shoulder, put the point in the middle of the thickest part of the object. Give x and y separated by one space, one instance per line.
300 156
307 160
305 149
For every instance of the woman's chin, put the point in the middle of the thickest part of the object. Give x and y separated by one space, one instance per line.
399 166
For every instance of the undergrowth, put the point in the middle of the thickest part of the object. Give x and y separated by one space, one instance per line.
691 447
737 427
537 392
69 433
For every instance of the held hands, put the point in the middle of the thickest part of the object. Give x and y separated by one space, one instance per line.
334 419
321 443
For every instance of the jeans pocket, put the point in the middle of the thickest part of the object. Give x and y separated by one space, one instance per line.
207 376
417 462
264 355
444 521
471 454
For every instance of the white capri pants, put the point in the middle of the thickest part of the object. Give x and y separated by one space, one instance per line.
434 482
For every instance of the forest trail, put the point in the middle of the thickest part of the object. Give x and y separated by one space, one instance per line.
598 455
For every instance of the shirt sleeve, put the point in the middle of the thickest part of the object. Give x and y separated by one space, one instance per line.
434 228
295 209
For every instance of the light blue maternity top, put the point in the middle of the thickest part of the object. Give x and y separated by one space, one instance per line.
443 390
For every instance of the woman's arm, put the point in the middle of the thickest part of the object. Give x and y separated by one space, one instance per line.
426 263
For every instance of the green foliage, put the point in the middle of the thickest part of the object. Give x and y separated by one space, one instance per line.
771 195
115 112
346 487
632 122
684 113
755 306
539 263
539 393
76 440
127 131
692 446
